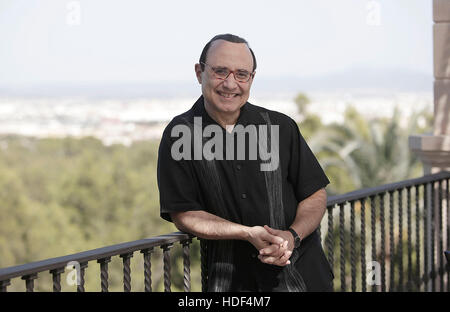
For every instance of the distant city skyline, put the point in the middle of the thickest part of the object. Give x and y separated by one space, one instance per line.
313 44
124 120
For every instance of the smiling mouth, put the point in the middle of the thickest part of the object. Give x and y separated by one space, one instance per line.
227 95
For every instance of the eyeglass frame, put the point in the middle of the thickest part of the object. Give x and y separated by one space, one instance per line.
251 74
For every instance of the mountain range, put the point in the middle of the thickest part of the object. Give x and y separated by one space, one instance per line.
378 81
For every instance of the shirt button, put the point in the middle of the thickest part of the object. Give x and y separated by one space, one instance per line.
244 196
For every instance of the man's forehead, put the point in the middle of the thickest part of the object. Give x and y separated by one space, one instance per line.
225 53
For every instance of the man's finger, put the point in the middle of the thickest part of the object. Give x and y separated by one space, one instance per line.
285 257
275 249
270 230
273 239
267 259
283 261
269 250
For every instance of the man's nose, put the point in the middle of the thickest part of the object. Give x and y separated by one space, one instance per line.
230 82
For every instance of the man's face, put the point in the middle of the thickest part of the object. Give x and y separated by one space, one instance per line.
225 96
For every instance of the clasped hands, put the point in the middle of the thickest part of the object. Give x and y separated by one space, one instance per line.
275 246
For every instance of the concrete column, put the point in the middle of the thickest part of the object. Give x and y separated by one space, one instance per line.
434 149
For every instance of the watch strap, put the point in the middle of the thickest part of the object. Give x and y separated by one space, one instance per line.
297 238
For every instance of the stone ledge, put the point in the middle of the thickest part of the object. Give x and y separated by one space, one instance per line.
427 142
433 150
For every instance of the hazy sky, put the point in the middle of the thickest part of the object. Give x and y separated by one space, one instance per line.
103 41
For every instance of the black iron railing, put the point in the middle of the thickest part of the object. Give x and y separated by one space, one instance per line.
55 266
394 240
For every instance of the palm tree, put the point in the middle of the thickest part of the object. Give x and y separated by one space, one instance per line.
370 153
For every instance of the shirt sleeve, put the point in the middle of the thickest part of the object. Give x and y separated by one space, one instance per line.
305 172
178 188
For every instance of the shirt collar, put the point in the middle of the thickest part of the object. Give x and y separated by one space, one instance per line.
249 115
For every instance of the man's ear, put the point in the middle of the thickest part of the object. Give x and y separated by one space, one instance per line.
198 72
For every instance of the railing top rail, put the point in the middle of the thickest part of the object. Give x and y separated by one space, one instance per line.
94 254
373 191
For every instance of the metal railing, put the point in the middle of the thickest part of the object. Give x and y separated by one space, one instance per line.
424 215
404 239
55 266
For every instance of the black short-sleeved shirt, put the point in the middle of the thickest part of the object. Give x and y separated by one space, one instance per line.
238 190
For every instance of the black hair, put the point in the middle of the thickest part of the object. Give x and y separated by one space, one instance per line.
229 38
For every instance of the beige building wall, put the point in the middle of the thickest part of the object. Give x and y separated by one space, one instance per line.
434 149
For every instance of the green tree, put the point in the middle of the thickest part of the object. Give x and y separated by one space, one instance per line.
370 153
302 101
309 123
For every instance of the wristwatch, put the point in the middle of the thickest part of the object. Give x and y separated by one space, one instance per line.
297 238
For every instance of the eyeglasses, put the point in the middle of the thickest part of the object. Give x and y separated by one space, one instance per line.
222 73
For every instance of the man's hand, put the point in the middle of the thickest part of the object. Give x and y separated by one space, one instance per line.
277 254
310 212
261 238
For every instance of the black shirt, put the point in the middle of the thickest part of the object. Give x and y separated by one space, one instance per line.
240 191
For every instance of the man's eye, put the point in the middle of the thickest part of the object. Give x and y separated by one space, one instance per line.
221 71
242 75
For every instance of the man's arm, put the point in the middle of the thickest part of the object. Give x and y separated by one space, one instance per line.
310 212
208 226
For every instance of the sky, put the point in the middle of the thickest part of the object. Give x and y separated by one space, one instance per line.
87 42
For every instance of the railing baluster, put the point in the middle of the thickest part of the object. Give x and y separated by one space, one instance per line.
352 245
56 276
440 241
363 245
147 269
204 264
80 286
166 258
448 232
104 273
400 240
4 284
408 214
126 271
186 265
330 239
342 245
373 232
426 229
29 281
433 238
391 243
417 238
383 243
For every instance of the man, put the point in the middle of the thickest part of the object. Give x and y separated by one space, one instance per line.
258 211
